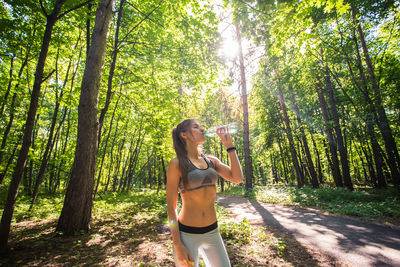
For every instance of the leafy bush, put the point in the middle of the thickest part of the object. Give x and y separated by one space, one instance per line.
279 245
236 232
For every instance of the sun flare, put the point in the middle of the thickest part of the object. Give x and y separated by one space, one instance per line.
229 48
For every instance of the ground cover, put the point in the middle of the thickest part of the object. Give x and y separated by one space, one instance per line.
129 229
381 205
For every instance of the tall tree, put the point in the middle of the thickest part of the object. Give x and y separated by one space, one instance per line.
246 132
339 136
51 19
77 209
337 177
310 164
382 121
293 153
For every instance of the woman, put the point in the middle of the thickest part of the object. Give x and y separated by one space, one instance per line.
194 176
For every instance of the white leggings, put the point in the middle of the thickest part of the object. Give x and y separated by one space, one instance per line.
210 246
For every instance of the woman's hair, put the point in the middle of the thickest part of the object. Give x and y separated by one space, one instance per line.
180 147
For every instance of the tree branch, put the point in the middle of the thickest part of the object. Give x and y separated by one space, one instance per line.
42 7
137 25
145 15
48 76
74 8
384 50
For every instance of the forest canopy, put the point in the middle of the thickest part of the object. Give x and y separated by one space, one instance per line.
323 109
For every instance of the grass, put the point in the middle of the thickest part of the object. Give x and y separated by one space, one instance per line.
129 229
362 202
123 228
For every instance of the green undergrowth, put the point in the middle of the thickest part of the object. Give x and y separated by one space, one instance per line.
362 202
240 234
236 232
134 202
131 217
147 202
141 204
46 207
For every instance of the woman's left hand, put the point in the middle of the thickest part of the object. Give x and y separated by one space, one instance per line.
223 133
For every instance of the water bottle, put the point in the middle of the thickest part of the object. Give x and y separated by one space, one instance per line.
212 131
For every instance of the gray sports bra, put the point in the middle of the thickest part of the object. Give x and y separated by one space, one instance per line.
199 178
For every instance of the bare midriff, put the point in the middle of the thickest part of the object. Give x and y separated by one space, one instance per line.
198 207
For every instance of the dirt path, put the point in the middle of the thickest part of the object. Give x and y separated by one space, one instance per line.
351 241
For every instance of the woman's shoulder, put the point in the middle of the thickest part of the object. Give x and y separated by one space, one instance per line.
174 163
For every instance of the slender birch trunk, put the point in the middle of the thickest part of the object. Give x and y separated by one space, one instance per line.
246 133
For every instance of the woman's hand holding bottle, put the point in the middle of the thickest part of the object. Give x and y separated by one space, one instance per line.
224 134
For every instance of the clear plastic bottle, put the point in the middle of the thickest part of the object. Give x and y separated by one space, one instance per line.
212 131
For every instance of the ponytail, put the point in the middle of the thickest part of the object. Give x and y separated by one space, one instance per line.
180 148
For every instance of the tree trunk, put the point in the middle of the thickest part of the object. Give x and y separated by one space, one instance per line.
8 128
77 210
127 166
164 169
4 100
46 156
119 159
67 112
302 163
64 147
383 122
285 172
320 175
23 153
16 89
10 159
48 151
133 164
114 56
105 149
222 181
50 141
310 163
246 133
370 114
88 30
339 137
299 173
337 177
53 170
110 168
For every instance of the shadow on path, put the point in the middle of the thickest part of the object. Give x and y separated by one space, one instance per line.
268 221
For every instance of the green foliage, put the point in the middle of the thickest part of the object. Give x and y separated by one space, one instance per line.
301 39
168 68
136 201
236 232
279 245
148 203
162 48
46 207
363 203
